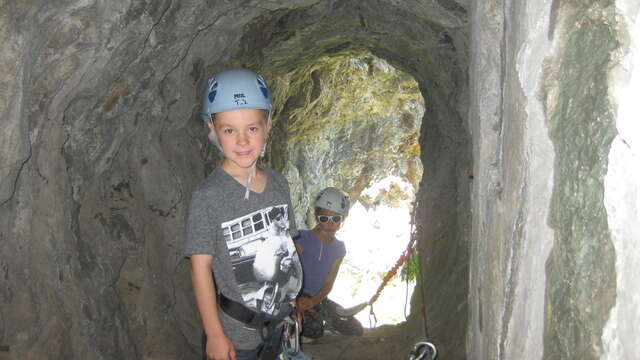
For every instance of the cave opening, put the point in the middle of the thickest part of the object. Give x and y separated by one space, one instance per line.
353 121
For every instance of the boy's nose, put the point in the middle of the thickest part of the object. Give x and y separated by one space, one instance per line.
242 139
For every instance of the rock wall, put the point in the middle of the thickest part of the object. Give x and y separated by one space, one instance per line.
101 145
580 287
349 121
545 258
512 184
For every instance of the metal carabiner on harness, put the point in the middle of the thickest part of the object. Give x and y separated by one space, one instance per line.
422 349
291 341
291 335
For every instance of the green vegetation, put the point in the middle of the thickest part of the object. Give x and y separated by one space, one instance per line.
411 269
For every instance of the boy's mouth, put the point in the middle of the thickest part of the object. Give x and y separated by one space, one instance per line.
244 153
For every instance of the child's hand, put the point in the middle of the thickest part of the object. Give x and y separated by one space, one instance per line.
220 348
305 303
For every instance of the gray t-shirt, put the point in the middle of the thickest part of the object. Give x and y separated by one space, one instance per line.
254 259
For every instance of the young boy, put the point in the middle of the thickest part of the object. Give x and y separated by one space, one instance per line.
321 255
240 226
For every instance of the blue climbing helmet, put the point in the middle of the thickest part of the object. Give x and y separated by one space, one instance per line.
233 90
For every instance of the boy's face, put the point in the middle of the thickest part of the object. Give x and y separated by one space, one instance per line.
241 134
329 226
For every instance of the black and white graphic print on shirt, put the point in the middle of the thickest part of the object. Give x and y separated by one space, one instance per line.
264 259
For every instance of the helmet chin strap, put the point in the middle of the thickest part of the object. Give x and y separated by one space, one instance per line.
252 171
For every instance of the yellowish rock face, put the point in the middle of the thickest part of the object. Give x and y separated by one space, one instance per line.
348 120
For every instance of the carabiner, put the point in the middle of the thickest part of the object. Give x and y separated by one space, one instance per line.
422 349
291 335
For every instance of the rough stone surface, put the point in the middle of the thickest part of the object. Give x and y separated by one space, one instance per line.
580 269
102 144
542 267
487 278
348 122
512 184
14 140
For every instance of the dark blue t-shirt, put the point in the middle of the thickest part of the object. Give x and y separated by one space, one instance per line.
317 259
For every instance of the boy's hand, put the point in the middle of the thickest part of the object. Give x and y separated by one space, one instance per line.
220 348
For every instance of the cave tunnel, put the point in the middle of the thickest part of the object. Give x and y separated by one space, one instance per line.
526 211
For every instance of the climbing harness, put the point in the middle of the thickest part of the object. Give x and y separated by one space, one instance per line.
423 351
264 324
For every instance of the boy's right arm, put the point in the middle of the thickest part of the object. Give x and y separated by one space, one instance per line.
219 347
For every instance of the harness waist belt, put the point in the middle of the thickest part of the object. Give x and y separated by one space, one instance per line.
237 311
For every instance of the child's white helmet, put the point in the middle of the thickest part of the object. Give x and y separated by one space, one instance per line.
233 90
333 199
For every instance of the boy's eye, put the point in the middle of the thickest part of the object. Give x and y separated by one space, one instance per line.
253 129
227 131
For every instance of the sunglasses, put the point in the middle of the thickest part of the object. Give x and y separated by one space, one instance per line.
324 218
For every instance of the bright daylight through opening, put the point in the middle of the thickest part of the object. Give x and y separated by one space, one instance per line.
375 237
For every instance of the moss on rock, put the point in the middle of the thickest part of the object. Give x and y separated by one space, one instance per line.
347 120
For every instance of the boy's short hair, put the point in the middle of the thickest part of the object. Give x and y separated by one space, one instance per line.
266 115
